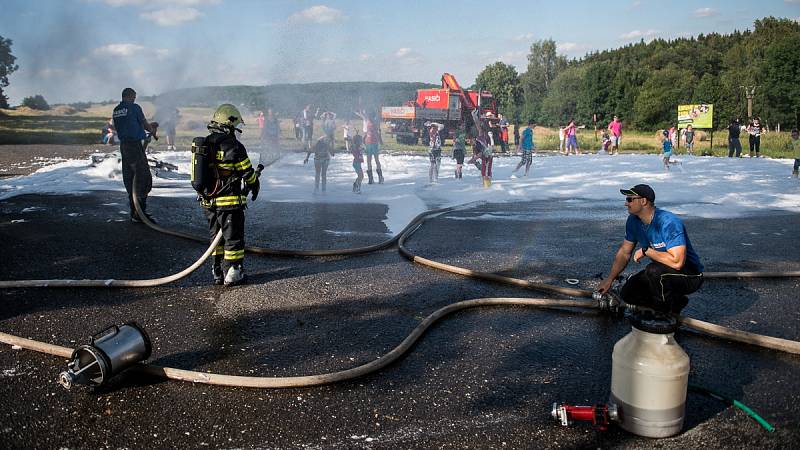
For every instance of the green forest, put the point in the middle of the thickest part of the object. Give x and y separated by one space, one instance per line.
642 83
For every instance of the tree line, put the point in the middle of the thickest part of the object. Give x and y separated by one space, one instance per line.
643 83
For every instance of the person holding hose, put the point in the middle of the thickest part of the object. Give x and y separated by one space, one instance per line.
225 209
131 125
674 270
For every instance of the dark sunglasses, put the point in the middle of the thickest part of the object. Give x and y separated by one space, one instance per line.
631 199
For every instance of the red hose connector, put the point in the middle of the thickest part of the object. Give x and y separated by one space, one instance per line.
600 415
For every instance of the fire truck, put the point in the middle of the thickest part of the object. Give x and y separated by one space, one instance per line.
449 105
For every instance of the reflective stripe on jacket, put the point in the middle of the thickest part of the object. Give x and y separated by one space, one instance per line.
232 166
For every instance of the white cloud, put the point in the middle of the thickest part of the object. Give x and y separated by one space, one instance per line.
638 34
159 3
571 47
523 37
129 49
162 54
515 57
364 57
50 72
636 4
171 17
118 50
327 61
317 14
407 56
705 12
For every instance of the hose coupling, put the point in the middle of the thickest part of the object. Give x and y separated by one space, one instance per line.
609 301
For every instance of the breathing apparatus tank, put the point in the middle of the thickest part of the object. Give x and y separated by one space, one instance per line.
202 171
649 377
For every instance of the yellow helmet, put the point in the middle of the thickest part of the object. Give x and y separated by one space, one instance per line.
227 115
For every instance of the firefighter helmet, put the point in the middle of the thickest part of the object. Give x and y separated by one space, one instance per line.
227 115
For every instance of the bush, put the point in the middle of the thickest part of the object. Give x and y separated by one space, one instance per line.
80 106
36 102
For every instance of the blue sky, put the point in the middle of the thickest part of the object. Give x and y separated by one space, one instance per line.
73 50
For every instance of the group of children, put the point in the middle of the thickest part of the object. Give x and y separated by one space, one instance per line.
482 152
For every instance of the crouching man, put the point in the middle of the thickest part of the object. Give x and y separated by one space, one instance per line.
225 208
674 270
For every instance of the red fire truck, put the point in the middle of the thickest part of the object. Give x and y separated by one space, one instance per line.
449 105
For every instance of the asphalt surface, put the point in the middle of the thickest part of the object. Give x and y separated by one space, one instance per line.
483 378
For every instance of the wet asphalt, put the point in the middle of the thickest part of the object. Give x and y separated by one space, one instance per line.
482 378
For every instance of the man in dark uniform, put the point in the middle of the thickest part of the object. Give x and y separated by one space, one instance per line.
225 208
130 124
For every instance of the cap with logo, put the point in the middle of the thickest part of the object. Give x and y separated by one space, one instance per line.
640 190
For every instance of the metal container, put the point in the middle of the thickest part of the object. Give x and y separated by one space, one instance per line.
108 353
649 378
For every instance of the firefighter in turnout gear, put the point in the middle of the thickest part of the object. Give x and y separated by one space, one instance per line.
225 206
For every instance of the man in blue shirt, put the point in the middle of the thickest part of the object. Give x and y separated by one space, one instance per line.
130 124
674 270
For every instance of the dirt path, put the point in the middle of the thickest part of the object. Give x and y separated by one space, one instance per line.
18 160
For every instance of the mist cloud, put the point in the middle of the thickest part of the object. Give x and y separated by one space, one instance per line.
171 17
160 3
118 50
705 12
637 34
317 14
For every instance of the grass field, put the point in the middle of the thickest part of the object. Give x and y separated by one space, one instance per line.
62 126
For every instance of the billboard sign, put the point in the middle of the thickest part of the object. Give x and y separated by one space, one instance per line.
698 116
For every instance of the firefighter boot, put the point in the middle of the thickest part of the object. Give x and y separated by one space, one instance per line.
235 275
794 173
219 277
369 175
487 182
380 176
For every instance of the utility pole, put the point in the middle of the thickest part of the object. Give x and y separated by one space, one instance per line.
749 92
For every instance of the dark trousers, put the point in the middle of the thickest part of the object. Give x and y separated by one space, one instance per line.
134 164
230 251
734 145
755 144
661 287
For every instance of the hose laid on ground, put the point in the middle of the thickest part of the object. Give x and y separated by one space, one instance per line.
485 275
311 380
795 273
282 252
767 426
112 283
720 331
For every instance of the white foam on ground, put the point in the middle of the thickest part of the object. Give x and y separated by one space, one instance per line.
703 186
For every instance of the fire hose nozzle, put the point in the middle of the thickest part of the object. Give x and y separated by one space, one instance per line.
66 379
608 301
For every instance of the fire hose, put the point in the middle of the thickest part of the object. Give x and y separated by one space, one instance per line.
720 331
383 361
113 283
310 380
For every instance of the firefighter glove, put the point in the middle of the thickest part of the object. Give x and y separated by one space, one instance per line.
254 189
